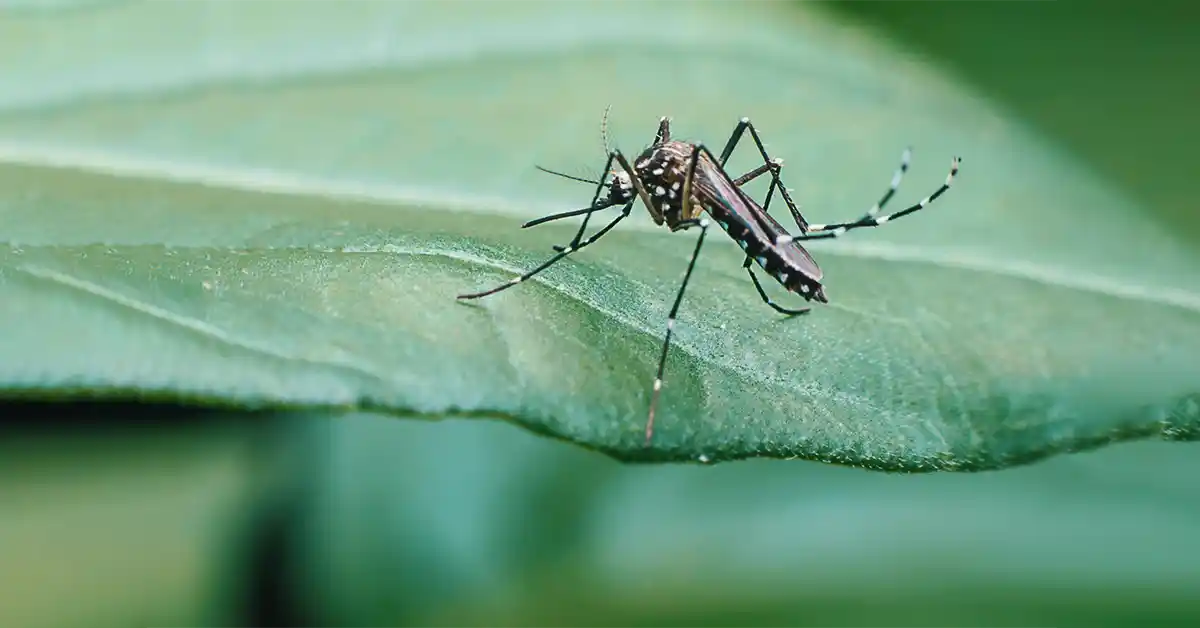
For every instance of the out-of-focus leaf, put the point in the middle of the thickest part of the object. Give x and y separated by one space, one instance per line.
431 525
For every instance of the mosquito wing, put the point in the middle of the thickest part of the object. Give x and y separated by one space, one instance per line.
791 250
755 218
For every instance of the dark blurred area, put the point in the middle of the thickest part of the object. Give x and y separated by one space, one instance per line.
126 513
123 514
1112 82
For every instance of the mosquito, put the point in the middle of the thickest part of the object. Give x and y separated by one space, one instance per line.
678 182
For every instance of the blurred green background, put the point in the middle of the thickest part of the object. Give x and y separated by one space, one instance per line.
116 517
1110 81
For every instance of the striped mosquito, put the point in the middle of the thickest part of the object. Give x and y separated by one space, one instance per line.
678 182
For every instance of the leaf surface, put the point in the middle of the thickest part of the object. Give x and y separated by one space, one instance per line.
279 210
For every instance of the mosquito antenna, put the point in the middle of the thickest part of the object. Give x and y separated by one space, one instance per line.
567 176
604 130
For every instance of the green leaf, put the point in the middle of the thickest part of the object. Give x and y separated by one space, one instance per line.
279 209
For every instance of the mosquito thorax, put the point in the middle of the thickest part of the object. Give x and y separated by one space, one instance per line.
662 169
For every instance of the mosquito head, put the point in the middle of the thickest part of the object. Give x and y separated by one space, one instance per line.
620 187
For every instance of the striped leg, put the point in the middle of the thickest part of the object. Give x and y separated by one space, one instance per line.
833 230
897 177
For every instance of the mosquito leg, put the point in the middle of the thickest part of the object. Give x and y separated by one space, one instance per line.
548 263
595 198
596 236
568 214
662 358
766 299
823 232
738 131
756 173
897 177
596 204
687 275
628 206
586 212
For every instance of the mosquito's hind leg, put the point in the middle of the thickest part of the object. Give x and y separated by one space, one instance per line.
833 230
766 299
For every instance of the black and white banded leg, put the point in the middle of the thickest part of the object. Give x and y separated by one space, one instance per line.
897 177
833 230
